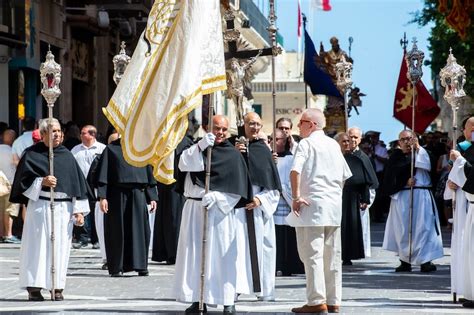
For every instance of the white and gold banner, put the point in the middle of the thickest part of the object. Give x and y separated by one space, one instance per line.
179 57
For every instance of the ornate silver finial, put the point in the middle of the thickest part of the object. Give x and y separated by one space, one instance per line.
344 74
50 76
121 61
453 78
272 30
414 59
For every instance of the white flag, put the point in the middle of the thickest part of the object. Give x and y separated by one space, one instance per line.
179 57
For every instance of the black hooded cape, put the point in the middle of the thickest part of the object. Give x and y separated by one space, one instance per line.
468 154
372 177
262 168
397 172
35 163
355 192
228 172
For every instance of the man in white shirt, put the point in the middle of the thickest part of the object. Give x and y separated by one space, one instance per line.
84 154
25 140
317 211
8 210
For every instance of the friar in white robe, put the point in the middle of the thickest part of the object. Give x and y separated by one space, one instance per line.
229 185
426 243
466 177
456 180
32 186
266 188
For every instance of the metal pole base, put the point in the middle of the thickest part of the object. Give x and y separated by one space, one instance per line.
455 298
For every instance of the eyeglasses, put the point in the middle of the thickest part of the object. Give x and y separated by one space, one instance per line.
304 120
254 124
406 139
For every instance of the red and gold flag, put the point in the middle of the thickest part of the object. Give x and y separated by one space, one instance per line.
426 109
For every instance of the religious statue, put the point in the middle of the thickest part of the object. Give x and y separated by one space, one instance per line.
238 76
332 57
354 100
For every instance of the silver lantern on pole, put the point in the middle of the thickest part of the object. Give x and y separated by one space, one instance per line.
414 59
50 75
344 82
453 78
121 61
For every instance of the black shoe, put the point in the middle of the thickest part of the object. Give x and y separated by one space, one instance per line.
144 273
79 245
116 274
347 263
229 309
404 267
194 308
34 294
58 295
427 267
468 304
104 266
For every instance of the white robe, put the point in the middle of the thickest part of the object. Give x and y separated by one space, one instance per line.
99 227
365 221
266 244
426 241
221 250
457 176
35 252
468 248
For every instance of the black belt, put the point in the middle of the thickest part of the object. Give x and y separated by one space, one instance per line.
417 187
56 199
197 199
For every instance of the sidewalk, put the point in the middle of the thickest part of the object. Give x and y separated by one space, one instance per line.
369 286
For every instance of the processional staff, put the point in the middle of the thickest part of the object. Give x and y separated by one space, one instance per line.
453 78
207 184
414 59
344 82
50 76
272 30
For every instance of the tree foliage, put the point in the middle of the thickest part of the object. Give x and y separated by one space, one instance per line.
443 37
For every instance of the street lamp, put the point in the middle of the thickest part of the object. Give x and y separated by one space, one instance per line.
121 61
50 76
344 82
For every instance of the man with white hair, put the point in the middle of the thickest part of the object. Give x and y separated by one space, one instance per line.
355 135
317 178
425 244
31 186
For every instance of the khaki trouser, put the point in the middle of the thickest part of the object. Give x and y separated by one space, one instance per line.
319 248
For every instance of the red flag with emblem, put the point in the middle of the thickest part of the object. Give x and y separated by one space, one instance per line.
426 108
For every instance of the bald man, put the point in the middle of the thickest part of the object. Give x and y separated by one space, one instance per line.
317 178
266 189
426 243
456 181
355 135
229 187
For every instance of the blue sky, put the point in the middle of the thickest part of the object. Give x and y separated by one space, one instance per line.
376 27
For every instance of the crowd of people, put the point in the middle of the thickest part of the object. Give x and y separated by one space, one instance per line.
304 209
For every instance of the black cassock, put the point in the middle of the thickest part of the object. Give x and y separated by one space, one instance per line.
355 192
168 212
128 190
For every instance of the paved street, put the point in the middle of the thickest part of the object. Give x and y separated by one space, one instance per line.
369 286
